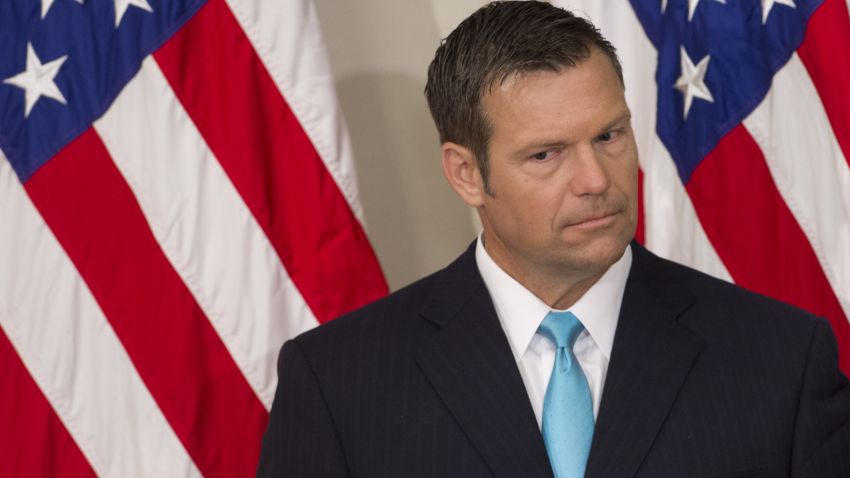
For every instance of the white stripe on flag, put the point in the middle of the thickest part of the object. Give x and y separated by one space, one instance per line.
72 352
203 226
288 39
672 227
792 129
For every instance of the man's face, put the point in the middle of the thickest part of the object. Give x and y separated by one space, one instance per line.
563 171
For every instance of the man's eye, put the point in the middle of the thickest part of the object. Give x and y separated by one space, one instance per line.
607 136
541 156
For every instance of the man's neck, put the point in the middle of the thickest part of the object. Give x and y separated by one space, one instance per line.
559 289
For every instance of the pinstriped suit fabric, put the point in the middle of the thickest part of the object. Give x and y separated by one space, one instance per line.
705 380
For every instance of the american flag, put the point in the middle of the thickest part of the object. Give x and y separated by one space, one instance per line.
741 110
177 198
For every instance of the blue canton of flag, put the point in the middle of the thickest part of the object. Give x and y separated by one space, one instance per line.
716 62
65 61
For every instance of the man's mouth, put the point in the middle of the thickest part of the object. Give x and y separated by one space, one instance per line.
595 221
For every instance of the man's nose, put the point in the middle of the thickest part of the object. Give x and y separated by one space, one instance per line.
590 175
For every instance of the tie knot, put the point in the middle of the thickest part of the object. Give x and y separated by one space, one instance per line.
562 328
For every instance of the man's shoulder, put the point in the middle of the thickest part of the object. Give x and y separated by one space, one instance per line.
378 341
401 316
399 321
402 305
748 339
720 306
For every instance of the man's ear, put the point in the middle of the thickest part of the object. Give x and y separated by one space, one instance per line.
461 170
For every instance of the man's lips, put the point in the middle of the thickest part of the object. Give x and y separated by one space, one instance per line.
594 221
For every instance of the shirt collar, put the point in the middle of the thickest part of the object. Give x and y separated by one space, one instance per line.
521 312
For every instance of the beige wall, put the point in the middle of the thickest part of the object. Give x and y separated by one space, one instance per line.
379 52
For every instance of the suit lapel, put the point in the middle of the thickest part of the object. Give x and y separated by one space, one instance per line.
651 358
470 365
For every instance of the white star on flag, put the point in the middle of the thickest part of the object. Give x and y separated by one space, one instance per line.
37 80
122 5
692 81
692 6
767 6
46 4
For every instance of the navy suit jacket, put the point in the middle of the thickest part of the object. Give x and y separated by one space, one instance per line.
705 380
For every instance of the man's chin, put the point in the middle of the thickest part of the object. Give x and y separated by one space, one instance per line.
594 256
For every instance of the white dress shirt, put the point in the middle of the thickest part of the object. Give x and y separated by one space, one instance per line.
521 313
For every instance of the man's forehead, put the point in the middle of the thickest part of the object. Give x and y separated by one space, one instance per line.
566 105
527 84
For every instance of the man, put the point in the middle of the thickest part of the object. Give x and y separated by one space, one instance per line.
553 346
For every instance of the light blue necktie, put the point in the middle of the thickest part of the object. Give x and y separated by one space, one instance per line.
567 408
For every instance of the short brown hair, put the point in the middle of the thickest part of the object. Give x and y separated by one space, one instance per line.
497 41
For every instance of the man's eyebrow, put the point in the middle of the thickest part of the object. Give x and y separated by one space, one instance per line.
541 146
624 117
544 145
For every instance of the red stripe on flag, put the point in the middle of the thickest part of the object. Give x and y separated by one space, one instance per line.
92 211
737 203
825 52
272 163
34 442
